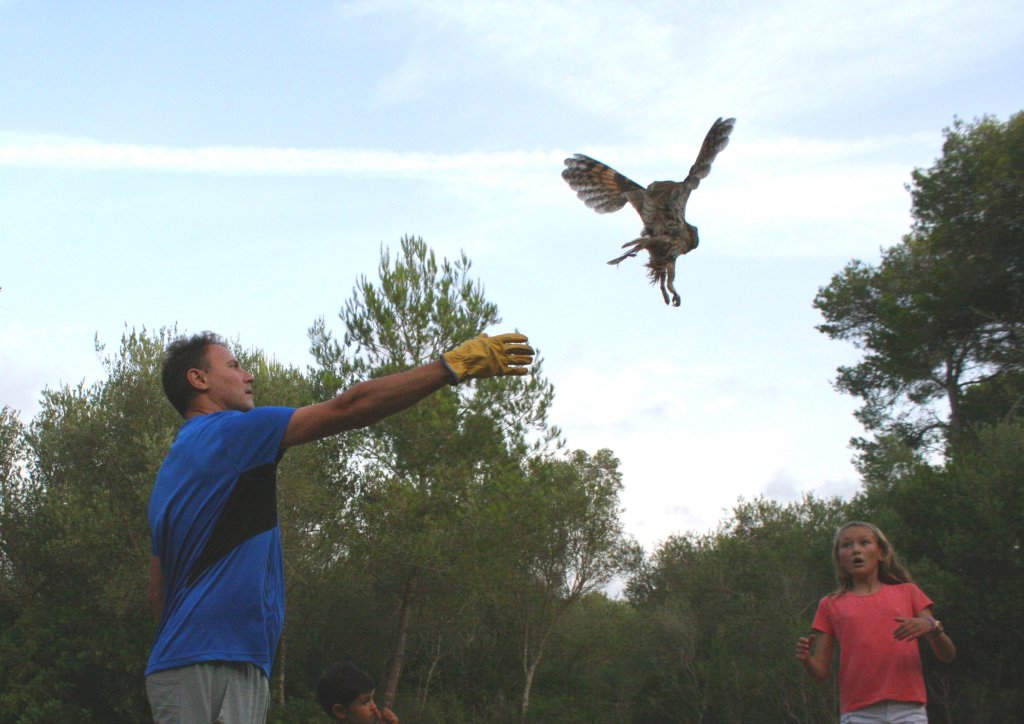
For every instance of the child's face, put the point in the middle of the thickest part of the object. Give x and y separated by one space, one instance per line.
859 552
362 710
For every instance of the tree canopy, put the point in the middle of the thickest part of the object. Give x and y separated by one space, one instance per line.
940 317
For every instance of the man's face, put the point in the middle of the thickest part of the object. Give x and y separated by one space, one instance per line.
228 385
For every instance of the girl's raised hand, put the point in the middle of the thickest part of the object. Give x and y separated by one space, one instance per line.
804 647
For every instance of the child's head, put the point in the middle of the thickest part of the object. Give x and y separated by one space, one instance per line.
346 693
889 569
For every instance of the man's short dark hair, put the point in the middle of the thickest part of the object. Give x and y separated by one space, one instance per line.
182 355
341 684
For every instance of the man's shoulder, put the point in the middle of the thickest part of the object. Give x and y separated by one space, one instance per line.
233 428
227 432
268 415
258 416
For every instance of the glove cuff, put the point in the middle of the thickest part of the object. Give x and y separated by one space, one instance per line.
451 372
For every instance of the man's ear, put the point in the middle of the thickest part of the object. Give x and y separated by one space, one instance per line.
197 378
339 712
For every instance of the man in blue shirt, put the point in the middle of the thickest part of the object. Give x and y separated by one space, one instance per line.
216 572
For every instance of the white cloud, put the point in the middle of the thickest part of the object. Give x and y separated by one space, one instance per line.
836 177
662 60
51 151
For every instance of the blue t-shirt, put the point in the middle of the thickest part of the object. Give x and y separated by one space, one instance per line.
213 525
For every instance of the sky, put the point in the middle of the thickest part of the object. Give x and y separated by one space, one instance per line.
237 166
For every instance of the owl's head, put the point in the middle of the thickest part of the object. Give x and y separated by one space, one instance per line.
694 239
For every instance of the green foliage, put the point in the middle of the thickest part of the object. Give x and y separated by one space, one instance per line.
943 312
414 484
296 711
555 536
960 528
970 208
722 613
595 665
75 542
940 321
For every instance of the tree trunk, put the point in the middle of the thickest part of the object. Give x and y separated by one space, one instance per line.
527 685
281 642
280 671
529 669
953 397
398 654
430 674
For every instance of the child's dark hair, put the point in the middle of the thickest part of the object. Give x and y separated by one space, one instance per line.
182 355
341 684
889 569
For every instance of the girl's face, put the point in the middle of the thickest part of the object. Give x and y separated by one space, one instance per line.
859 552
362 710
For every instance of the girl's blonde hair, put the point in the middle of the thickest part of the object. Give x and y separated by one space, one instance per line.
889 569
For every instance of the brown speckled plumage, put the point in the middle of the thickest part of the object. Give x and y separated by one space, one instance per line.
662 205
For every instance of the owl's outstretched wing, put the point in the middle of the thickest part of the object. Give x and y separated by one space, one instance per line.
714 142
716 139
601 187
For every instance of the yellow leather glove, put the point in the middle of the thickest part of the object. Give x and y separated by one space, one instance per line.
483 356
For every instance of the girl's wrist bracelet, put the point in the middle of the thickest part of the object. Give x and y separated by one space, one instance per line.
937 629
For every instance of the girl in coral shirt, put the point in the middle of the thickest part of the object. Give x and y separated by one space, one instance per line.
875 616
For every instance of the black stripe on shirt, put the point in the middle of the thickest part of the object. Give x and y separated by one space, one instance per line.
251 510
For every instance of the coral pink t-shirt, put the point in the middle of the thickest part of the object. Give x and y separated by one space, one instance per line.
874 666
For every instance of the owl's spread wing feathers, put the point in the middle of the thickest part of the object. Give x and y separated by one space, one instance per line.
600 187
604 189
714 142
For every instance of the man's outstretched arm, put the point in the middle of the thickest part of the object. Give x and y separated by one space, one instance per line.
368 402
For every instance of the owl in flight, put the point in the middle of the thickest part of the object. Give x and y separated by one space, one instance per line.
662 205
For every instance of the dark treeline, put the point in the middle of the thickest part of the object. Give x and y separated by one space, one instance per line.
460 550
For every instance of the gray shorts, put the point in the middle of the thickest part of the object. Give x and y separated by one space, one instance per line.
216 691
887 712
